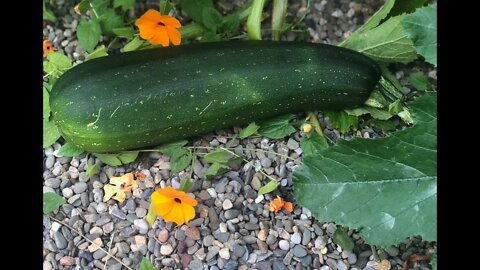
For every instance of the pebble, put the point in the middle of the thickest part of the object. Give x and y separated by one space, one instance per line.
231 213
179 234
266 162
292 144
80 187
306 237
341 265
278 265
296 238
166 249
224 253
193 233
141 225
195 265
227 204
256 184
238 250
118 214
163 235
208 240
299 251
231 265
52 182
60 240
283 244
392 251
67 261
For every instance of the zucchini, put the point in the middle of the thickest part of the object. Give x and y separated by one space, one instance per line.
138 99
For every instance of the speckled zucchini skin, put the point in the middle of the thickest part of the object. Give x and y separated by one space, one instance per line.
139 99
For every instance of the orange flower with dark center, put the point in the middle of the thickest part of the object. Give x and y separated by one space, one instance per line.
159 29
278 203
173 205
48 48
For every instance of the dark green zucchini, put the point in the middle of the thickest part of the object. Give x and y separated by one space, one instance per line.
144 98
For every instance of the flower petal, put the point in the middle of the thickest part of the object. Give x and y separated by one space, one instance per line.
109 190
176 214
170 21
147 29
160 37
163 204
120 196
188 212
119 180
174 35
167 192
186 199
288 207
152 15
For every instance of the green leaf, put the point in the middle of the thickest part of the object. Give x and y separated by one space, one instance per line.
374 112
89 34
218 156
100 6
179 162
117 159
277 127
60 61
210 36
215 169
151 215
110 20
165 7
230 25
133 45
46 104
211 18
145 264
51 202
50 133
313 144
186 184
406 6
92 170
387 43
171 148
421 28
125 32
269 187
99 52
84 6
70 150
386 125
387 187
251 129
419 81
125 4
48 15
433 260
194 8
342 121
341 238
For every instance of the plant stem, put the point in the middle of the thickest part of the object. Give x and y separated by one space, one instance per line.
254 20
90 241
278 17
375 254
313 119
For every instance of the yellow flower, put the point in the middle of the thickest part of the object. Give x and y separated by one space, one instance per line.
307 128
121 184
159 29
173 205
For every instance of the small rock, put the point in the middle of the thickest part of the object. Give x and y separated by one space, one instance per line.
271 239
306 237
204 195
180 235
283 244
163 236
266 162
263 265
195 265
52 182
231 265
67 192
296 238
238 250
299 251
341 265
227 204
212 252
80 187
118 214
306 260
224 253
166 249
231 213
141 225
256 184
292 144
278 265
392 251
222 237
67 261
262 235
208 240
193 233
60 240
97 255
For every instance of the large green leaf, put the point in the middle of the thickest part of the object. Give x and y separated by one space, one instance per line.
386 188
51 202
89 34
251 129
386 43
50 133
342 121
421 27
46 104
145 264
376 18
117 159
277 127
70 150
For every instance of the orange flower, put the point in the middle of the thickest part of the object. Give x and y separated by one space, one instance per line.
277 204
173 205
159 29
140 176
121 184
48 48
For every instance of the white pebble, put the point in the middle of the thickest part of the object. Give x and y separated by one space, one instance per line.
259 199
224 253
227 204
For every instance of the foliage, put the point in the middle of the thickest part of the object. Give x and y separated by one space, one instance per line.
385 188
277 127
117 159
51 202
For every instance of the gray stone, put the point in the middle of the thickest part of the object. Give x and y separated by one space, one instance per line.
237 187
60 240
141 225
299 251
227 204
222 237
266 162
80 187
283 244
208 240
320 242
392 251
67 192
179 234
204 195
221 185
249 239
130 205
288 258
128 231
341 265
52 182
97 255
306 237
263 265
122 247
169 262
166 249
119 214
256 184
231 265
195 265
214 221
231 213
306 260
113 266
271 239
292 144
140 212
278 265
238 250
332 263
212 252
48 189
49 161
296 238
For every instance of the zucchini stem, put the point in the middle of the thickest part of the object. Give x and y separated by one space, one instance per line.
389 90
